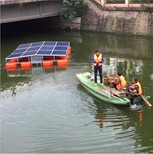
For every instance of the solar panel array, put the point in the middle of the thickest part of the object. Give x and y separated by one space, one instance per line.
46 48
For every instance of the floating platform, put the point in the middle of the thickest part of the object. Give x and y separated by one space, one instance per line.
46 53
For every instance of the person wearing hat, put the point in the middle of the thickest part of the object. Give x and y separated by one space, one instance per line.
97 61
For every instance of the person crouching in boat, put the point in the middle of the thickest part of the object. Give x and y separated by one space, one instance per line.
120 82
97 61
135 90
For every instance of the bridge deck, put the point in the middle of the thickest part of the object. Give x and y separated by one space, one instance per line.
19 10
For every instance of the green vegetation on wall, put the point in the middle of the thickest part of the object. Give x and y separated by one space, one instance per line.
72 9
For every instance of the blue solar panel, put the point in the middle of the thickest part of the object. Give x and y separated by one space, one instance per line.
33 49
50 48
19 51
60 48
30 53
36 44
57 52
52 43
62 43
42 52
24 46
15 55
40 48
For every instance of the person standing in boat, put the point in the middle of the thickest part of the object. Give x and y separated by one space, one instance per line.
120 82
135 90
97 61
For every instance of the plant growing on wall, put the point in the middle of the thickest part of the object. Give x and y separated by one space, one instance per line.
72 9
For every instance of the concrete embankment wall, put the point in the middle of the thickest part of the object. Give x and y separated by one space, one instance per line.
137 22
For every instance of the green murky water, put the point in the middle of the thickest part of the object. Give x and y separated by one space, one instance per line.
48 111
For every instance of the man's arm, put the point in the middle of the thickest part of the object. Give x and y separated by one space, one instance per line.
92 59
102 60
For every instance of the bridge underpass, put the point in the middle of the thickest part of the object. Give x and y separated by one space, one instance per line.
20 10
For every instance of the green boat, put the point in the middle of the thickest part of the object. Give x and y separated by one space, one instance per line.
104 92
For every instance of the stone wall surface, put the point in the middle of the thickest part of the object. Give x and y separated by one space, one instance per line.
117 21
71 25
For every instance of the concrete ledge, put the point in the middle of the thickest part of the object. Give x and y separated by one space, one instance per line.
7 2
123 6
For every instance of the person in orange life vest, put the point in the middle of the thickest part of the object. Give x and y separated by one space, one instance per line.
135 90
120 82
97 61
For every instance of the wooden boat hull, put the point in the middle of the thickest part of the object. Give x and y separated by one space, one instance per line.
100 91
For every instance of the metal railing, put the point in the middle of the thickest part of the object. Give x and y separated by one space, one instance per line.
122 3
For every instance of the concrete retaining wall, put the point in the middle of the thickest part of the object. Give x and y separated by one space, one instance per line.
117 21
71 25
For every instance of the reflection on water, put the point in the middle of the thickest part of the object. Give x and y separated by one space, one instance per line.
122 125
48 111
111 66
128 66
121 45
127 126
29 72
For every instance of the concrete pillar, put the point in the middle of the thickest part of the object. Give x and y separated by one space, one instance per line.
103 2
127 2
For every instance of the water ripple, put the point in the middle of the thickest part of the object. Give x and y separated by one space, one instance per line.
52 113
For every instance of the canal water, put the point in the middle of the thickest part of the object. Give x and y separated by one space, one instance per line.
48 111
